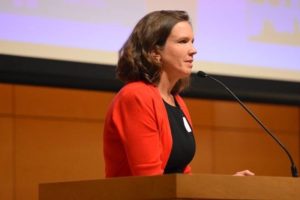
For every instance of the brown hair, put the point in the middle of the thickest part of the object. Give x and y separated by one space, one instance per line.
151 32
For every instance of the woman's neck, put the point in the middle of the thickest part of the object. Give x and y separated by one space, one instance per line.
165 87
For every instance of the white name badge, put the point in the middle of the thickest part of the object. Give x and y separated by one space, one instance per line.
186 125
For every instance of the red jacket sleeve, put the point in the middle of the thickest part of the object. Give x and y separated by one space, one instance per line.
135 120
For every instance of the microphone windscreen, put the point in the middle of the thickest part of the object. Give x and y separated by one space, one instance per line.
201 74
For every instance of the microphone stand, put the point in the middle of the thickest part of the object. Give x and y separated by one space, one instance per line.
294 170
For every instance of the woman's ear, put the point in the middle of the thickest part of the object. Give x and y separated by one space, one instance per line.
155 56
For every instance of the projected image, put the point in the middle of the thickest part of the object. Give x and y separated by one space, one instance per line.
259 33
275 22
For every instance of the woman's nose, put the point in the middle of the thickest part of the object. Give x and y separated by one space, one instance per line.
193 50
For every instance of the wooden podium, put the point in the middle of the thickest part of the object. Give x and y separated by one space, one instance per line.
177 186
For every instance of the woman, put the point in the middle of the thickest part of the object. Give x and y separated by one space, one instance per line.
148 130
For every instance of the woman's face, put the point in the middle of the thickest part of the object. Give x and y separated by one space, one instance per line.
177 54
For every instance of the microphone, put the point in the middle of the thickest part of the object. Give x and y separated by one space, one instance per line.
294 171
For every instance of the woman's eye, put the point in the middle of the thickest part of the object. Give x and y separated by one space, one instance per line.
183 41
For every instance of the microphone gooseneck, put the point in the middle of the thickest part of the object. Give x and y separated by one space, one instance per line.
294 170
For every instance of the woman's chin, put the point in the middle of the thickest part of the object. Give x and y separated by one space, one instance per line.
188 72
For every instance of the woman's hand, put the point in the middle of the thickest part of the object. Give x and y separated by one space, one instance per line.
244 173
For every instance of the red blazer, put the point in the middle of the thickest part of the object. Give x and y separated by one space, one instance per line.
137 134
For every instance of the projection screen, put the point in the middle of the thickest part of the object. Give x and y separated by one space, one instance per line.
244 38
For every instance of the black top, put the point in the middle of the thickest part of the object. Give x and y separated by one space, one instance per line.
183 148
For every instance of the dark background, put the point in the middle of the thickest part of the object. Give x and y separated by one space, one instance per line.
46 72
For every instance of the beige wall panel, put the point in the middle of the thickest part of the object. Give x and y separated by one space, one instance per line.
279 117
6 159
50 151
6 99
58 102
275 117
237 150
203 159
201 111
